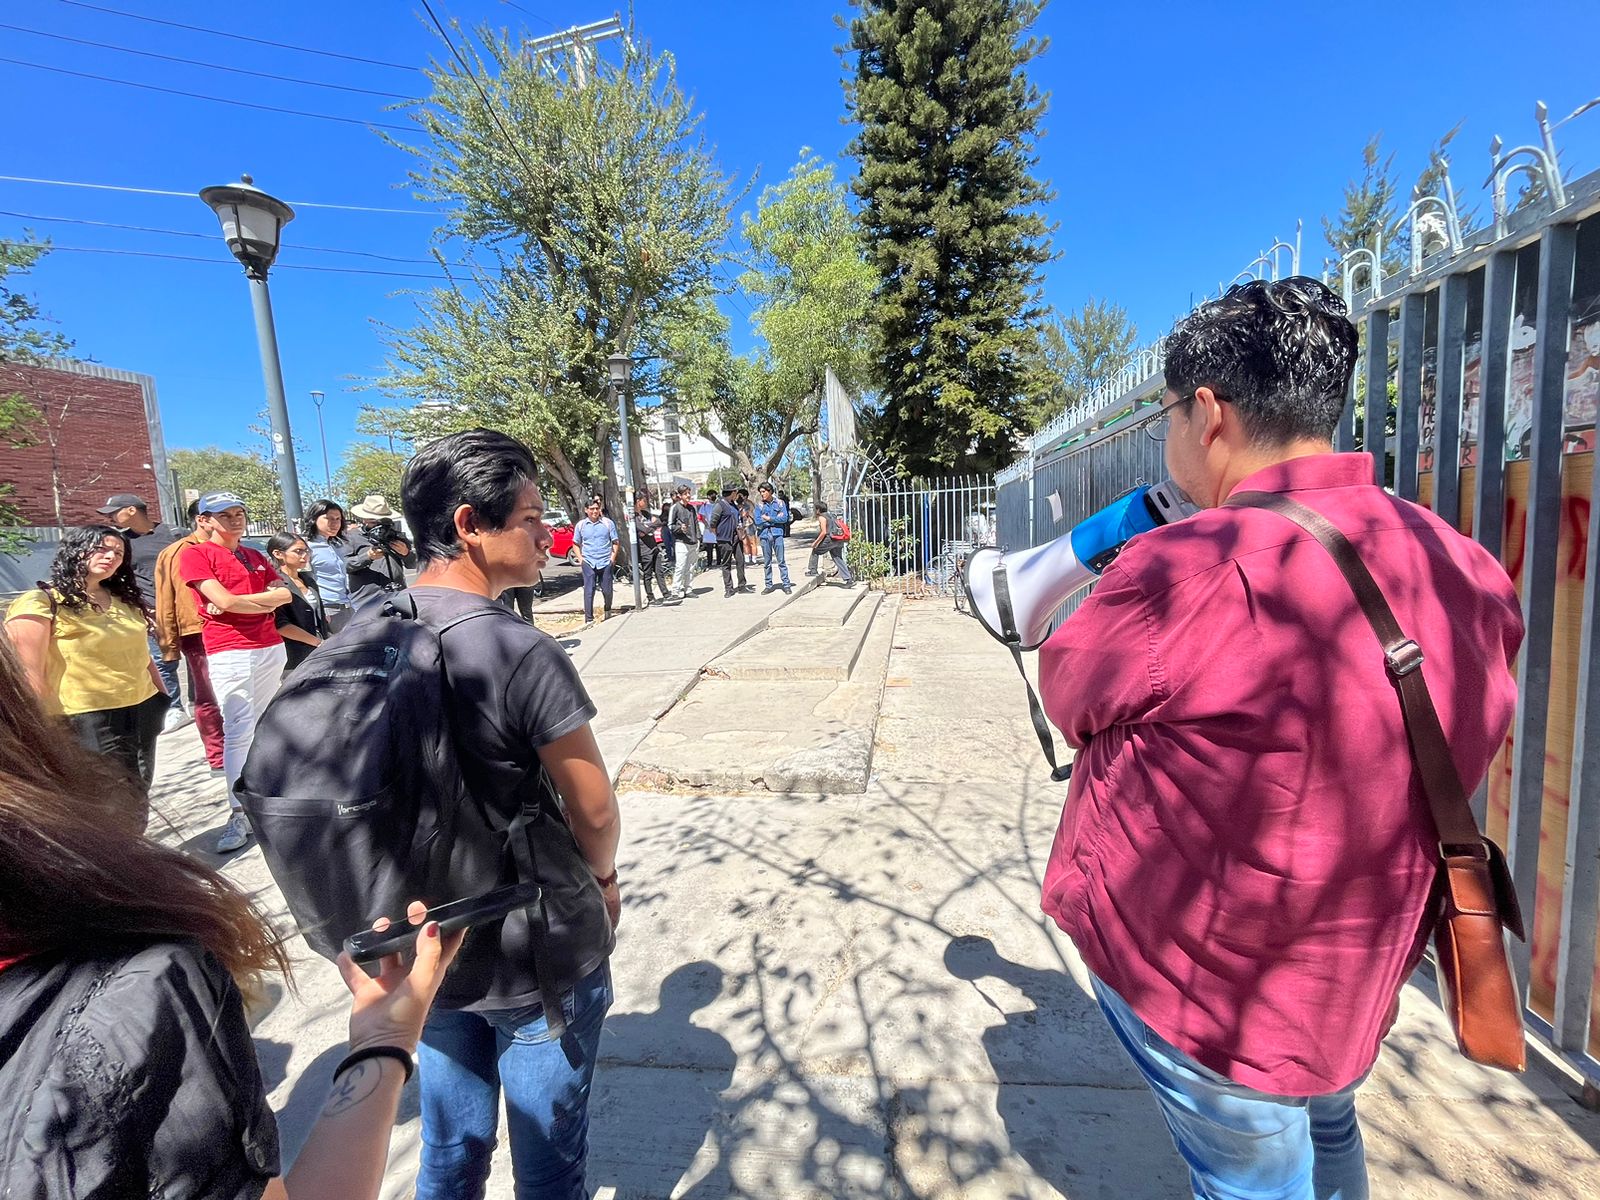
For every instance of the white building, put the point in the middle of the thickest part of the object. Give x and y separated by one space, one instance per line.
669 453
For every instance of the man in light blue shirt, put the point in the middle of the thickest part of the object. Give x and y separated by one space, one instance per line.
772 518
596 537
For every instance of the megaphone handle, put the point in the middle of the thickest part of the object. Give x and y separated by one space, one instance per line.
1041 724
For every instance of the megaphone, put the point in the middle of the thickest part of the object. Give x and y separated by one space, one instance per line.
1015 596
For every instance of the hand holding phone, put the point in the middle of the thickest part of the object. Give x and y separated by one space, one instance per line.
400 936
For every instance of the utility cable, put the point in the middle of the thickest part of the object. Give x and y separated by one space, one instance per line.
239 37
150 87
494 113
194 62
223 262
188 233
111 187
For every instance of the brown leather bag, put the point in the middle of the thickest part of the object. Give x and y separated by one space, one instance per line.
1479 899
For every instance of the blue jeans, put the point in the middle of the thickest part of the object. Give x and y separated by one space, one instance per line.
1241 1144
464 1061
772 546
169 674
592 575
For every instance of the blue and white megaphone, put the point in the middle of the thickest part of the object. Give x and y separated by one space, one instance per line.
1016 595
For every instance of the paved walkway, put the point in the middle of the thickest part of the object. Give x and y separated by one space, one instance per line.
857 996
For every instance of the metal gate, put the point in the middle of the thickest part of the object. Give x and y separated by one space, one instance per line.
912 535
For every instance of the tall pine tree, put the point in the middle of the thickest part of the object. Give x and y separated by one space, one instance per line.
950 217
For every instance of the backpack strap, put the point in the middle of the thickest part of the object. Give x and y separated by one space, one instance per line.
1013 643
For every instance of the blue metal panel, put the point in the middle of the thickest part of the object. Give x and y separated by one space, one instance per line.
1447 399
1375 427
1408 413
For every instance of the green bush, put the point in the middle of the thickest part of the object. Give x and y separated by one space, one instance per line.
868 560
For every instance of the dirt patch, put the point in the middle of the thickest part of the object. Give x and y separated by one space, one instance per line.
558 623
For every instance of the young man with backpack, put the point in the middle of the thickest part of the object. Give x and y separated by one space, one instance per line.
467 733
833 535
724 519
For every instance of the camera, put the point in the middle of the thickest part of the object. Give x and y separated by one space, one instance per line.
382 532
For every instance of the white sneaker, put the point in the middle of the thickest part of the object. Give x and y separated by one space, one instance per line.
177 718
235 835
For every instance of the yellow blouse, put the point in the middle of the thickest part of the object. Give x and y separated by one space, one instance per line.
95 659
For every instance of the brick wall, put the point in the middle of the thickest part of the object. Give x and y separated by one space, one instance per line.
101 445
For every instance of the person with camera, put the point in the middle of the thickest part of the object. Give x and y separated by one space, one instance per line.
1248 860
128 1067
376 555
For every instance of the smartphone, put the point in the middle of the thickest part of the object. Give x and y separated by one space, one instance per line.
401 937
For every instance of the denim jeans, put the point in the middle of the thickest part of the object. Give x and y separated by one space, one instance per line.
1240 1143
592 575
464 1061
169 675
772 547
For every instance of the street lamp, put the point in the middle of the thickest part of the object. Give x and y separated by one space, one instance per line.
620 365
327 475
252 224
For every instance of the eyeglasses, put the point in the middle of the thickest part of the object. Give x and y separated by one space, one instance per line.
1158 423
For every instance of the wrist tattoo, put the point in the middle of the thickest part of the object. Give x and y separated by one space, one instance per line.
353 1087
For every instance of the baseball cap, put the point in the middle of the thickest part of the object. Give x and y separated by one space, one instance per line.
215 502
119 501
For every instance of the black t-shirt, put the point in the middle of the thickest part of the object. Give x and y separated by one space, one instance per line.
304 611
129 1071
513 690
142 551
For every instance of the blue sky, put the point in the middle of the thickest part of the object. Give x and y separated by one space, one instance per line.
1180 141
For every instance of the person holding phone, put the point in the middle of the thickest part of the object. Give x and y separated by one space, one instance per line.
524 744
124 965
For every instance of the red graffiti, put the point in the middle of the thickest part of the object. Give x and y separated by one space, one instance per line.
1574 518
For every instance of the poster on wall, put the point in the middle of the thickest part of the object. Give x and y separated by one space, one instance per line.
1472 370
1524 337
1430 380
1582 396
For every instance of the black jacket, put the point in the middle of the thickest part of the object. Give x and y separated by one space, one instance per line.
369 576
129 1071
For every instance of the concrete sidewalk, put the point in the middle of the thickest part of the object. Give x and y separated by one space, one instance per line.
857 996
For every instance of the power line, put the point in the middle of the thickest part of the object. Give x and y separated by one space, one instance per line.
111 187
194 62
150 87
239 37
223 262
494 113
211 237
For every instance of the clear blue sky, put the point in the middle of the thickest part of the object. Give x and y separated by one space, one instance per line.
1180 142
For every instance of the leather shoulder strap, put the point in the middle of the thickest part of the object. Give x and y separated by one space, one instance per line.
1452 813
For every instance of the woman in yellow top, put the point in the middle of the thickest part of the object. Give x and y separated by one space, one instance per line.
83 641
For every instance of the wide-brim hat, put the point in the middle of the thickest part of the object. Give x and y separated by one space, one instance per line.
373 508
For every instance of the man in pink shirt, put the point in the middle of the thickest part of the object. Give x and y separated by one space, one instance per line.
1246 861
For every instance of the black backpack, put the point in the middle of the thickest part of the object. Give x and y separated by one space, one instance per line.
357 799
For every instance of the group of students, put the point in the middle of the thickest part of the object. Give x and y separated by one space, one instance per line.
732 531
99 641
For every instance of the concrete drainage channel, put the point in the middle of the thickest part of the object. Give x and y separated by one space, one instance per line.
793 708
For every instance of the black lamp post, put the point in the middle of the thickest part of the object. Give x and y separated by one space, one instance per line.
252 225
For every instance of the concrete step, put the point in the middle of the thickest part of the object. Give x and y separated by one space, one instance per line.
795 652
741 735
828 605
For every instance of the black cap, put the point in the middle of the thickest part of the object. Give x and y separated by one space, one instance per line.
120 501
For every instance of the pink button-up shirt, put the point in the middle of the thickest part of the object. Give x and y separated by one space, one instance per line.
1246 854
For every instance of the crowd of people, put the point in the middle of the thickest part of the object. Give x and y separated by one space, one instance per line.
1248 860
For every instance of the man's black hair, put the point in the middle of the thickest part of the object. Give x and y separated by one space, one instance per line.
480 467
1280 352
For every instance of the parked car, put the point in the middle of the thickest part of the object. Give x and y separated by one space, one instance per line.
561 543
556 516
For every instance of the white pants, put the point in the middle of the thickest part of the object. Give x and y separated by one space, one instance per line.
244 681
683 575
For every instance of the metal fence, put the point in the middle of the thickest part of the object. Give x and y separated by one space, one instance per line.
911 535
1480 362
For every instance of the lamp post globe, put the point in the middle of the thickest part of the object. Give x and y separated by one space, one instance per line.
252 225
252 222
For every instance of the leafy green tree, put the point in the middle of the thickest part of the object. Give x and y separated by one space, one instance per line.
1077 352
604 207
951 223
25 337
1370 211
369 469
248 476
